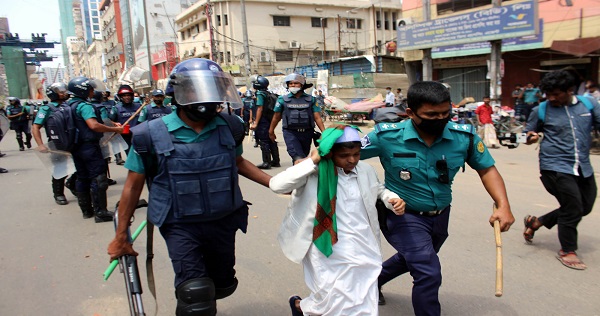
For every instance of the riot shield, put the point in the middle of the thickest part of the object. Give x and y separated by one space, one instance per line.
59 163
111 143
4 125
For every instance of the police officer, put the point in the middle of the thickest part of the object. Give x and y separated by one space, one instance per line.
156 109
193 159
122 111
300 113
420 157
58 94
103 107
249 103
262 123
92 183
107 102
19 121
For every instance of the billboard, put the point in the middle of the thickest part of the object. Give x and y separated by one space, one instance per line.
514 20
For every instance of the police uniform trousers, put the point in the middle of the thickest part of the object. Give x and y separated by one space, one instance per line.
89 163
298 141
417 239
262 135
205 249
21 127
576 196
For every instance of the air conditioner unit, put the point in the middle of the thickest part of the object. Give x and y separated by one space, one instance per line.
264 57
404 21
294 44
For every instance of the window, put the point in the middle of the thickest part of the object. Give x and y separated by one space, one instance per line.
182 36
450 6
218 20
96 27
225 19
228 57
95 20
284 55
394 18
386 20
354 23
281 20
378 18
379 46
318 22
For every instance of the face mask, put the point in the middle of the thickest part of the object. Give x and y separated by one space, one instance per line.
388 91
433 127
200 112
136 99
294 90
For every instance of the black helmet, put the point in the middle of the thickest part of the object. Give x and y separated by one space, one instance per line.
80 87
15 99
260 83
198 81
45 102
55 90
297 77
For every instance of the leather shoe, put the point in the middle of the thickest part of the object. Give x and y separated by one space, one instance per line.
264 165
61 200
2 155
111 181
2 170
292 301
120 162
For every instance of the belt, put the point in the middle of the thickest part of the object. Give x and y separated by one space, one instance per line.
427 214
301 130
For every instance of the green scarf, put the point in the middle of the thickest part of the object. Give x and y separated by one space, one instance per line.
325 223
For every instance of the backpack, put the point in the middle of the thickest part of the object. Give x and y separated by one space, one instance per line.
60 127
542 109
269 106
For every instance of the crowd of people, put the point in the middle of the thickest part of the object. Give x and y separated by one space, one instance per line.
190 154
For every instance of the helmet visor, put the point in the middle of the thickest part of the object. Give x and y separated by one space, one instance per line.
97 84
205 86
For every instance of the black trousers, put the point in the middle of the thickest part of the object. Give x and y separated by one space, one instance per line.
576 196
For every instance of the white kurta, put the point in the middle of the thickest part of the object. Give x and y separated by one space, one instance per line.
346 282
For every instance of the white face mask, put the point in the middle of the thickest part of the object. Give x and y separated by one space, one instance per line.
294 90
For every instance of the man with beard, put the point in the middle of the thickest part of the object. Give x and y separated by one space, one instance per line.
420 157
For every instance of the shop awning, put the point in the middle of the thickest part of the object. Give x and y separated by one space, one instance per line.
578 47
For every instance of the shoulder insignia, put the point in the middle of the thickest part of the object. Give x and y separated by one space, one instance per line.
465 128
480 147
382 127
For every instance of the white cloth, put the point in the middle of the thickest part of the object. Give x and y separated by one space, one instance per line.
487 132
390 98
346 282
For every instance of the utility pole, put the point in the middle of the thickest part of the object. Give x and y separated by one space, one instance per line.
339 36
495 58
245 38
150 82
208 12
376 49
324 43
427 61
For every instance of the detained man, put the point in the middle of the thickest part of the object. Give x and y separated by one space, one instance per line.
331 226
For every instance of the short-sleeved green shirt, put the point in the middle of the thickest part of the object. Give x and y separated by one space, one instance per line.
182 132
280 102
85 110
411 166
44 113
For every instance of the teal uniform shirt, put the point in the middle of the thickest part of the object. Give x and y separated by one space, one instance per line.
279 104
24 108
103 113
410 165
85 110
260 100
182 132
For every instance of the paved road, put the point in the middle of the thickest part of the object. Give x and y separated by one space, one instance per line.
51 260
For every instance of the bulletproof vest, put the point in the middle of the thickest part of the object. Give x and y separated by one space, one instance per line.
85 134
297 112
248 103
125 112
154 112
109 104
14 110
194 182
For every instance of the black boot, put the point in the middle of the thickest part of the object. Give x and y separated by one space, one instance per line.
70 183
84 199
58 188
2 155
99 201
28 140
119 160
266 156
20 141
275 162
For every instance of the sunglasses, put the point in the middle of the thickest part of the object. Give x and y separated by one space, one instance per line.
442 167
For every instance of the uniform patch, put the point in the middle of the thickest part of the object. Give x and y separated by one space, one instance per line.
41 115
365 141
480 147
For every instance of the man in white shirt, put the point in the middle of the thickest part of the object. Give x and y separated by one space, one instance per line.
389 97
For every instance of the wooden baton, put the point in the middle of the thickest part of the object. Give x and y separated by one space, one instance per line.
126 122
499 274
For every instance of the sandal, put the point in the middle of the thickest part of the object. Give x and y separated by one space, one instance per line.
575 263
528 221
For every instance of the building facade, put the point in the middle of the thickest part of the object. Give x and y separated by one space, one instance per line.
112 36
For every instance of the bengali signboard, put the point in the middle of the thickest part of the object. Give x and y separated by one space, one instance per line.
507 21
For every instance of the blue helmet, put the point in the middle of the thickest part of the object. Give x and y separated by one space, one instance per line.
57 91
80 87
260 83
199 80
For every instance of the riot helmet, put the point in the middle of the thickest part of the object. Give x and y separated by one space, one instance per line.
296 77
199 86
80 87
97 98
13 101
125 89
57 91
260 83
249 94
